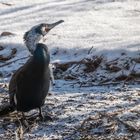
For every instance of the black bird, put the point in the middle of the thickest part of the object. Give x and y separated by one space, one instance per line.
31 38
36 33
30 84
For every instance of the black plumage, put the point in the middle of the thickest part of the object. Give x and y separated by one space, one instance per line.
30 84
32 80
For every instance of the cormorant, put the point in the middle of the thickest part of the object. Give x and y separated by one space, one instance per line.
30 84
22 86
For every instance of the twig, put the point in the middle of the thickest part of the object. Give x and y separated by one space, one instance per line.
90 118
13 61
4 97
7 4
133 67
102 84
112 60
131 128
90 50
19 132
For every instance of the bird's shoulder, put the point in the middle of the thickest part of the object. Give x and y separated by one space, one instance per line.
18 76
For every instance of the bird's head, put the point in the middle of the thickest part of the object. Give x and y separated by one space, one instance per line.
36 33
44 28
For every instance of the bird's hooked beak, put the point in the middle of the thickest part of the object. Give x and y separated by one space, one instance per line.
50 26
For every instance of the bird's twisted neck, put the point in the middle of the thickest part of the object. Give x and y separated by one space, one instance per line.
31 39
41 56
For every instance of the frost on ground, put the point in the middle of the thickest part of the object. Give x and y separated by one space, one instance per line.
96 55
95 113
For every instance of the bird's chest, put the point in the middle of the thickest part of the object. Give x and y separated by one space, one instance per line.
35 80
32 93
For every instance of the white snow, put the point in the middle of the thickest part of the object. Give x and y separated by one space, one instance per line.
112 27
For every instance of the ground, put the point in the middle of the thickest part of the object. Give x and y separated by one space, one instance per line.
96 55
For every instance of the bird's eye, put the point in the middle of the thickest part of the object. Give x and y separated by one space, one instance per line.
47 29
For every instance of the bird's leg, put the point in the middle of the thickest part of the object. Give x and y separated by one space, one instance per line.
42 117
23 115
41 114
25 122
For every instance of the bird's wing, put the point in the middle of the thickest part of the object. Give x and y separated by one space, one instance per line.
16 78
13 81
13 86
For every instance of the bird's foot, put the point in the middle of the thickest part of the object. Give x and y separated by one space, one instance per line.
22 123
25 123
45 118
